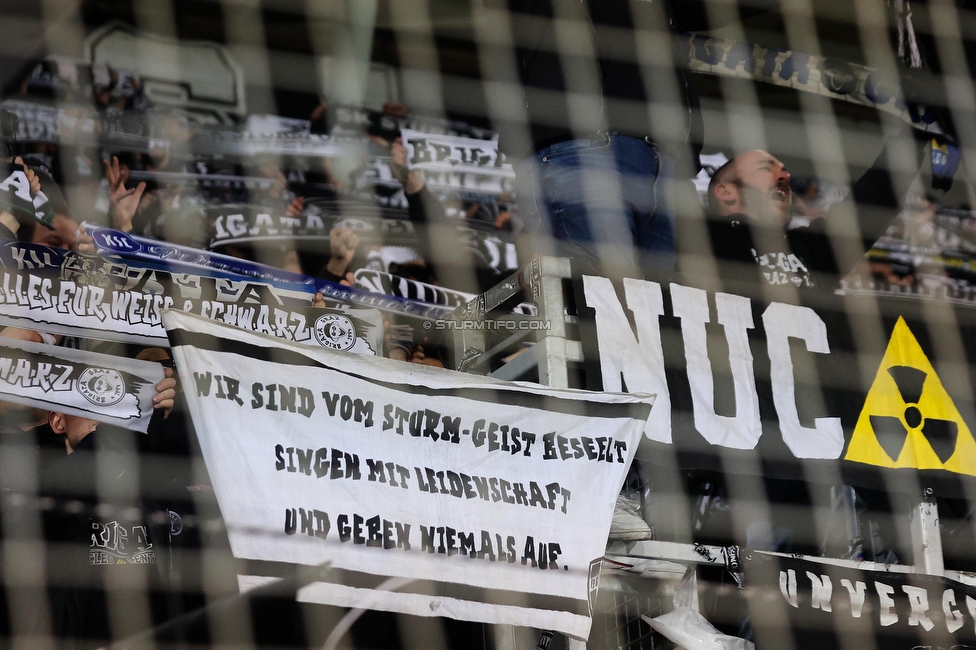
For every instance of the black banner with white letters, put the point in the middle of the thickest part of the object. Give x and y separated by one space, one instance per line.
828 606
791 384
243 224
236 224
810 73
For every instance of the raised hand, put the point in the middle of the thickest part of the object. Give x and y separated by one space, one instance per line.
122 203
343 242
165 397
412 180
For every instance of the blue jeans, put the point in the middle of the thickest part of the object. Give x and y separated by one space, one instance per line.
601 201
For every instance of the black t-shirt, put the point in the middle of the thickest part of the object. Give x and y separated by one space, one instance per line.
801 257
92 527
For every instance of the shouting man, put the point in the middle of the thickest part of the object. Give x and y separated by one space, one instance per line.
750 206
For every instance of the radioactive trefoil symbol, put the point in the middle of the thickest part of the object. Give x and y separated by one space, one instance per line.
908 418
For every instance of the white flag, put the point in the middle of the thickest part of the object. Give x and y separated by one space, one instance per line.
493 497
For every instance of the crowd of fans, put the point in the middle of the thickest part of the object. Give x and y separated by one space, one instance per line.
115 160
153 184
157 184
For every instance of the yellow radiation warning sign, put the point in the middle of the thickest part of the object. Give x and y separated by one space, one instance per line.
908 419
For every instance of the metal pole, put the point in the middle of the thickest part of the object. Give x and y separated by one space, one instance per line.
927 539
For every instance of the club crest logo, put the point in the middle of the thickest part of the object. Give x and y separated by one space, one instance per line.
102 386
335 331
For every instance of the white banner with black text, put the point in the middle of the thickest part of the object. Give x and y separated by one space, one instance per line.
68 293
451 153
96 386
492 497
